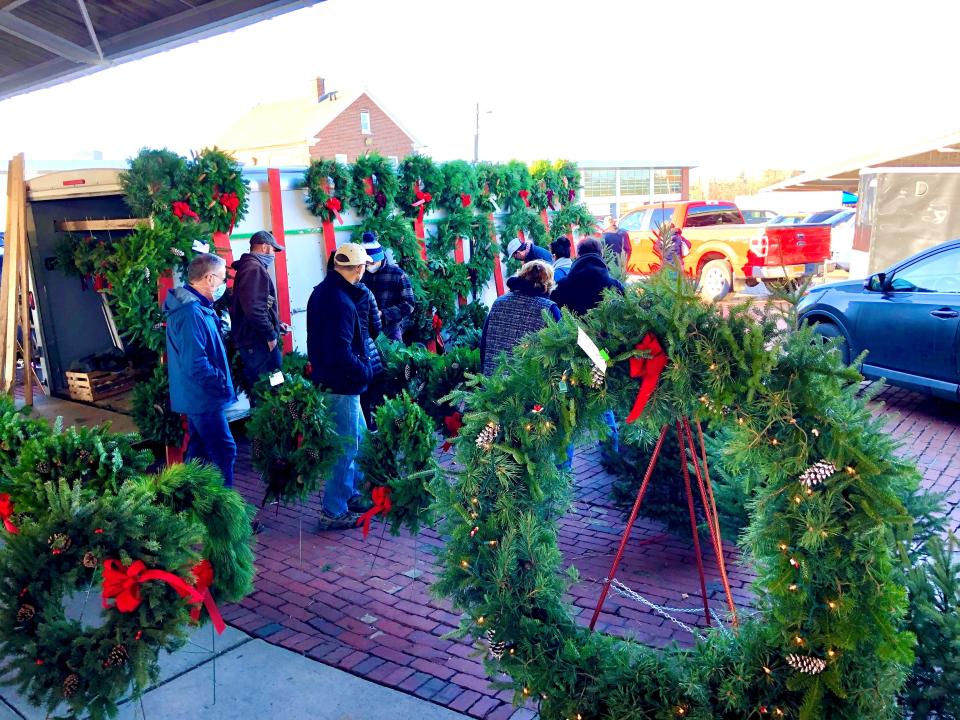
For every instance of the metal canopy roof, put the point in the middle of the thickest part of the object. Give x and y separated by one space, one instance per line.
46 42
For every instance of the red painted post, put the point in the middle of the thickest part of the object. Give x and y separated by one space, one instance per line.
283 280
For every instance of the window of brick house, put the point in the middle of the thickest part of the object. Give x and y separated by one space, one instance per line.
340 157
365 122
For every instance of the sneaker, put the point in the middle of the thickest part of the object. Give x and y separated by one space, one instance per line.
337 522
358 504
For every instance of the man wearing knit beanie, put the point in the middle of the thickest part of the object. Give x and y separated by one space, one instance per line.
390 286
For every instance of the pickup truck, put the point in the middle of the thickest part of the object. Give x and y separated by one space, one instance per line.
725 253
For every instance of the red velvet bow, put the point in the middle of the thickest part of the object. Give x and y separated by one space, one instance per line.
231 204
453 422
550 199
465 199
525 194
334 206
203 572
6 510
423 199
183 210
649 369
381 505
381 200
122 584
437 327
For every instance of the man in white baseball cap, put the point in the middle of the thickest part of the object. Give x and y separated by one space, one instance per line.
340 367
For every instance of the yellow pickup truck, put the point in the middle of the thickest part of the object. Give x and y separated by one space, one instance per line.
725 253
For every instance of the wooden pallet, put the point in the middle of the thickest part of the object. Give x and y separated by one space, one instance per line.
93 386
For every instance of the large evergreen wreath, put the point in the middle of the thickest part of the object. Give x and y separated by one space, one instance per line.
374 188
328 187
421 184
828 642
59 659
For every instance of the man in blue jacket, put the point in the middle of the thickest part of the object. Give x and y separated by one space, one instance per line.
200 384
341 368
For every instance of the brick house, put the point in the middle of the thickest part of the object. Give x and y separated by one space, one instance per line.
329 124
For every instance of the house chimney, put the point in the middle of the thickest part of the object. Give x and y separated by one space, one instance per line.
321 88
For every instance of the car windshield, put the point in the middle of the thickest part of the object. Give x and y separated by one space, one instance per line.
785 220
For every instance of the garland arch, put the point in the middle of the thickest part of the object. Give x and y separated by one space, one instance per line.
828 640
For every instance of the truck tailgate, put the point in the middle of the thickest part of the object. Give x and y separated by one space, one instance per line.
797 244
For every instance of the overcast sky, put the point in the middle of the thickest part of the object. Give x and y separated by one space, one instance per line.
728 85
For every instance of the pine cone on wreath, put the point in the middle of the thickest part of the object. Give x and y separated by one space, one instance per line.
806 664
26 613
177 251
817 473
292 409
496 648
59 543
407 372
256 449
71 683
488 435
89 560
597 378
43 467
117 656
313 455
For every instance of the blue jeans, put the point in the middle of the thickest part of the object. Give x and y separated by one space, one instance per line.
212 442
258 360
613 436
345 476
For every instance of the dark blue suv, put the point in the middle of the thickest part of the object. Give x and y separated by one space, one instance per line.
907 319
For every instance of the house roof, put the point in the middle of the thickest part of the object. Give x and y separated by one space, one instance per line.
46 42
941 151
294 121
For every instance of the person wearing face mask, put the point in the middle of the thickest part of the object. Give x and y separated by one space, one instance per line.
340 367
390 286
256 320
197 367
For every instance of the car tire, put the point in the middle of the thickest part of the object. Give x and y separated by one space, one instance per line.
715 281
829 330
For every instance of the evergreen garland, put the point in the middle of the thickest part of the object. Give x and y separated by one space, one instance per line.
824 558
55 659
400 455
328 187
374 187
419 173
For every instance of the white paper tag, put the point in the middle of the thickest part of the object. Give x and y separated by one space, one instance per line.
276 379
590 348
493 201
200 246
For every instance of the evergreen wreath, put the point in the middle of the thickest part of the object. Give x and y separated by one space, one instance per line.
374 188
823 555
57 659
569 180
525 220
400 456
420 179
488 187
156 179
514 186
217 189
17 428
151 411
547 186
459 186
328 187
293 441
570 215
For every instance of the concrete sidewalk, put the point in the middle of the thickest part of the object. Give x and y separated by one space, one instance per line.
253 679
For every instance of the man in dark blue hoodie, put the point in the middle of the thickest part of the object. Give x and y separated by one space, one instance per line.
256 326
341 368
200 384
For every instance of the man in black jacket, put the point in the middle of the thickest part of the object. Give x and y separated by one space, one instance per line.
582 288
256 326
340 367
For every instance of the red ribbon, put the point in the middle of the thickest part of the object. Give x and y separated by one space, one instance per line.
182 210
122 584
335 206
465 199
649 369
423 199
525 194
368 185
203 572
6 510
231 203
453 422
550 199
571 194
381 200
437 339
100 283
381 505
299 440
185 426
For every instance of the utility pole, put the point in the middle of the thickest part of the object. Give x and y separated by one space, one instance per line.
476 138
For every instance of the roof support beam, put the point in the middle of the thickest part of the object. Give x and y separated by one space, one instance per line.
45 39
89 23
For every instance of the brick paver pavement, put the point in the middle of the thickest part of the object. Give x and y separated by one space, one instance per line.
364 606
